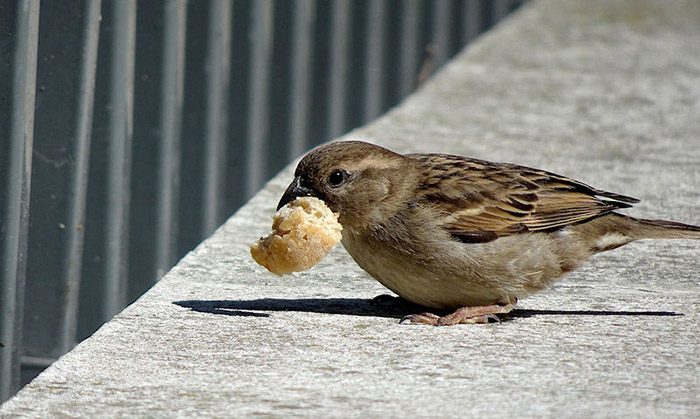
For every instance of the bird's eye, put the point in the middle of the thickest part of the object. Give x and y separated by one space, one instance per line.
337 177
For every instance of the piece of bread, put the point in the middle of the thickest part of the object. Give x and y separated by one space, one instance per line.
303 232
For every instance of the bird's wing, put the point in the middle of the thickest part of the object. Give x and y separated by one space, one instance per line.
480 201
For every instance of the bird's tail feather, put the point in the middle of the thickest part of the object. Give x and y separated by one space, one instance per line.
662 229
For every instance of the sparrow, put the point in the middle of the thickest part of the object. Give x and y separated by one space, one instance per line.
456 233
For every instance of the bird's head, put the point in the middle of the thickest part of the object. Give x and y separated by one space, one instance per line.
362 182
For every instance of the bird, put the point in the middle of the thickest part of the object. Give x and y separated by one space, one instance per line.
465 236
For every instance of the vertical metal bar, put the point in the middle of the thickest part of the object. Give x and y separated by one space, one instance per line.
18 193
79 177
500 9
301 75
119 171
471 20
258 118
374 65
441 32
408 72
172 92
218 71
340 39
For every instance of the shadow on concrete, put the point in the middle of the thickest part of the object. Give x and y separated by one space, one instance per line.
382 306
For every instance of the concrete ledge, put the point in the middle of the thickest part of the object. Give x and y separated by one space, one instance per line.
607 92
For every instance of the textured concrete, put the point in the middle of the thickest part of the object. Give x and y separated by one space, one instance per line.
605 91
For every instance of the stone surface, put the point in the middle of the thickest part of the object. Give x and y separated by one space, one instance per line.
607 92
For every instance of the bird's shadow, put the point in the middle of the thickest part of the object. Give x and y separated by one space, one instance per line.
382 306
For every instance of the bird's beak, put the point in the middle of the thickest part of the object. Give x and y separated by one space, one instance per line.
295 190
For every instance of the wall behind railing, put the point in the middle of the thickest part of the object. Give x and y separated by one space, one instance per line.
129 130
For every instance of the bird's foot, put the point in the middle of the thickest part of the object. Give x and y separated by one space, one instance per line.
463 315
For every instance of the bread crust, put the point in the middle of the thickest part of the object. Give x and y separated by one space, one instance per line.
303 232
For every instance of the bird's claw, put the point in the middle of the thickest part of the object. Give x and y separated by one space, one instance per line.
464 315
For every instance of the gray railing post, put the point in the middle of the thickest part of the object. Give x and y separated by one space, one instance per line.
19 176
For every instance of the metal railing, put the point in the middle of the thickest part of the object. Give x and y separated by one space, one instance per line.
130 130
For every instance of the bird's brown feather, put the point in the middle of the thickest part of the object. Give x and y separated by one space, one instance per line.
481 201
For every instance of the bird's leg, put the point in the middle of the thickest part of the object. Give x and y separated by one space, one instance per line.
463 315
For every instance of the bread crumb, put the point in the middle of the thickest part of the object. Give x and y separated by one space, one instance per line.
303 232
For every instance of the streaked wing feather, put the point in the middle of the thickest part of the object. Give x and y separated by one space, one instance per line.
482 200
